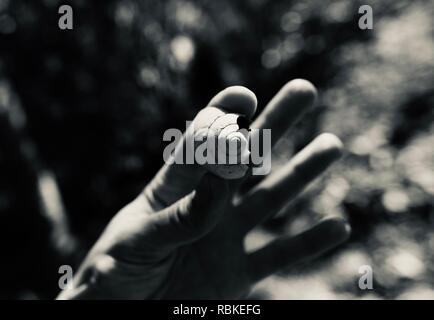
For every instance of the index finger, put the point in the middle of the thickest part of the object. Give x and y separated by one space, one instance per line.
293 100
286 108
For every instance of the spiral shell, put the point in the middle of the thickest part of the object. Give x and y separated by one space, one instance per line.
231 149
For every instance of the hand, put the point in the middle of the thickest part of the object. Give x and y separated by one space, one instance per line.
182 238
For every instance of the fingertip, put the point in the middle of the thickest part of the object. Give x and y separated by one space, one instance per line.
300 89
236 99
331 143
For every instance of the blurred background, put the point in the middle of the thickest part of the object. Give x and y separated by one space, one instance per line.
82 114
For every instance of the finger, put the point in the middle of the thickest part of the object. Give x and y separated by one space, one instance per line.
175 181
287 106
191 217
281 113
277 189
288 251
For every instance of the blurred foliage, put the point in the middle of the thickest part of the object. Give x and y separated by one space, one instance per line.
82 114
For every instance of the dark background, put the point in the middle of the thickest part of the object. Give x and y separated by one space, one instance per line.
82 114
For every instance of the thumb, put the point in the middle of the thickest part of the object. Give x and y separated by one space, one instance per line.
193 216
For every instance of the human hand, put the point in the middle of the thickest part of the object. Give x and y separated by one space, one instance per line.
182 238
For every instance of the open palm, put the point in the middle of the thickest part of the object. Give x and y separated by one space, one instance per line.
182 238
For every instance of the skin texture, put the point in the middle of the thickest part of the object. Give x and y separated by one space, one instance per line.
182 238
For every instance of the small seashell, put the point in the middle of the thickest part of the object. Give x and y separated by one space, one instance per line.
230 134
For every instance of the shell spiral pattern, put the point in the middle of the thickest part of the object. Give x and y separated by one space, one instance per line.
231 147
